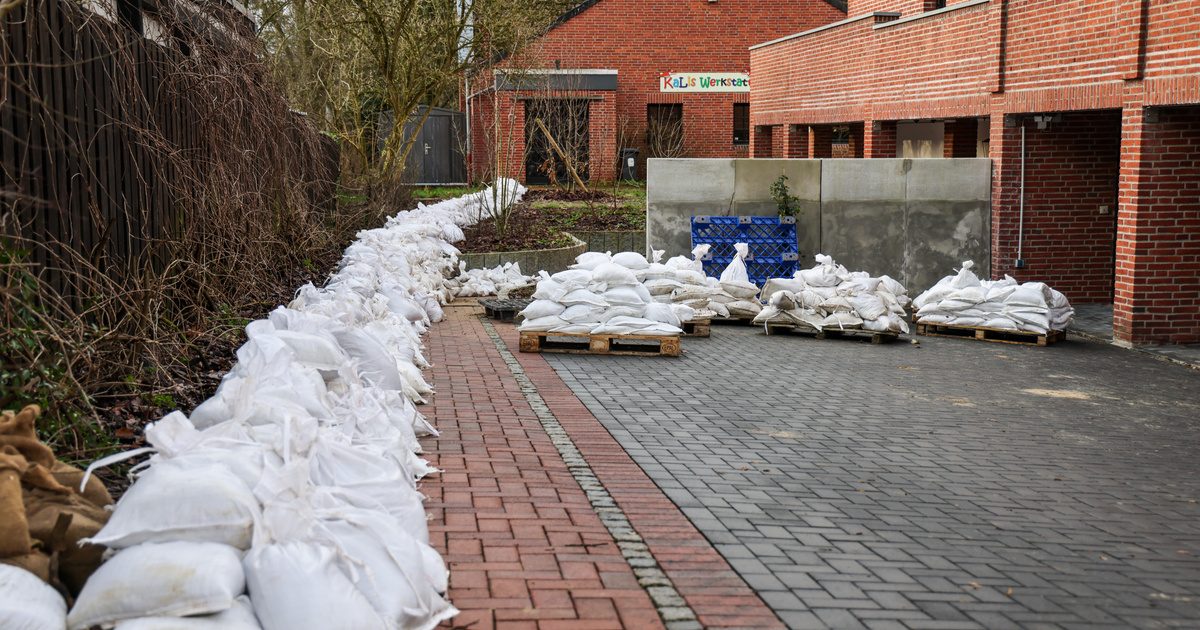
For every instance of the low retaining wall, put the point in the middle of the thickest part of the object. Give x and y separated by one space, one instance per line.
913 219
530 260
613 241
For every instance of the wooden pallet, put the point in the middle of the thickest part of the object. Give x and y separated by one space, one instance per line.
630 345
832 333
696 328
503 310
995 335
735 321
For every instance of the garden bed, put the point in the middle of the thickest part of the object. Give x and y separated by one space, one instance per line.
539 222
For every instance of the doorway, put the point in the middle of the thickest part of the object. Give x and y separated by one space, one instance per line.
547 156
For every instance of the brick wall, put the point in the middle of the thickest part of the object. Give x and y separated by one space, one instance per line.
1057 55
642 39
1071 171
1158 266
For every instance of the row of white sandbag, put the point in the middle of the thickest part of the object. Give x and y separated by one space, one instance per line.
499 280
830 296
965 300
731 295
601 294
305 457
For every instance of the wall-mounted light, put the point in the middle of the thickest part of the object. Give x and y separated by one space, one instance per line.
1043 120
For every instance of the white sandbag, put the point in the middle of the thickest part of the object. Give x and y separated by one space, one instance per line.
690 276
582 313
542 323
743 308
577 277
28 603
240 617
837 304
892 286
683 312
613 275
625 296
818 277
965 277
868 306
177 501
591 260
631 260
662 286
160 579
720 309
694 292
582 328
740 290
661 313
542 308
841 320
298 586
582 296
550 290
633 326
370 356
736 270
774 285
621 311
1032 294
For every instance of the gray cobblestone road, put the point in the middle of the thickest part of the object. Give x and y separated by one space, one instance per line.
952 485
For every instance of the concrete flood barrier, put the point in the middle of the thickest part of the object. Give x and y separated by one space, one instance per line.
913 219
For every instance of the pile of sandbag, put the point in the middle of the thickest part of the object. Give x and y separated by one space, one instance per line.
965 300
828 296
601 294
500 280
289 499
682 281
45 514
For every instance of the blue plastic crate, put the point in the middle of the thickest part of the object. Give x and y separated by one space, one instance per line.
772 242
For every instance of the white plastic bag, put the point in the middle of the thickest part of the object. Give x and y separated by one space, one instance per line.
178 501
28 603
168 579
736 270
240 617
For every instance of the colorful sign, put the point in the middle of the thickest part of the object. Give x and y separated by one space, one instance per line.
704 82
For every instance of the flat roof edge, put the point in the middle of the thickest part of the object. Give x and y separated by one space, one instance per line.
920 16
829 26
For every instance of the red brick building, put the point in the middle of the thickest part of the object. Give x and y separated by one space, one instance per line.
1104 95
610 56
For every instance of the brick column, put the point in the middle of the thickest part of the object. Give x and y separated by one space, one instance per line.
879 139
779 141
1005 152
820 141
602 139
1157 293
960 140
797 142
760 142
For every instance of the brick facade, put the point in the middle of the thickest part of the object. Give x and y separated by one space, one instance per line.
1111 71
643 39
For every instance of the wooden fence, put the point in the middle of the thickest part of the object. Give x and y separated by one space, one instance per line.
77 172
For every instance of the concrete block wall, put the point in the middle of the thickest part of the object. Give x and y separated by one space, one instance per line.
915 220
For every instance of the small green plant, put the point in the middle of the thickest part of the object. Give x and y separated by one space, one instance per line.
164 401
784 199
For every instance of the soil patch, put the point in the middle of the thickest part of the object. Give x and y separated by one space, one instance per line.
554 194
527 229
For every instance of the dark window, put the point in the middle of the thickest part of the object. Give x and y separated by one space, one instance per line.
741 124
129 13
933 5
841 134
664 130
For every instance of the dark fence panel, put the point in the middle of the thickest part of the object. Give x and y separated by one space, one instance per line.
75 174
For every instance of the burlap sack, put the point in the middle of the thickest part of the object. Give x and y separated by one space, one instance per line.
14 528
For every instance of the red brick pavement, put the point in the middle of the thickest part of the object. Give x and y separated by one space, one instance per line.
525 548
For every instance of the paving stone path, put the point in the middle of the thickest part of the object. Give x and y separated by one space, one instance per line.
765 482
954 484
